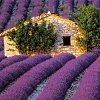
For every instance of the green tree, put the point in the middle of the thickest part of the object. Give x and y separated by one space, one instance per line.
32 37
88 19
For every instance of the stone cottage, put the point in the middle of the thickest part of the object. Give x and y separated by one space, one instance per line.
66 31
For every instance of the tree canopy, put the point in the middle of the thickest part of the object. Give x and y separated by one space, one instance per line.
88 19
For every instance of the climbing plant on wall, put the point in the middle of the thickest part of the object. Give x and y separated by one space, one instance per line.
33 37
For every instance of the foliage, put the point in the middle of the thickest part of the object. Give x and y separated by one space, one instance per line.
31 37
88 19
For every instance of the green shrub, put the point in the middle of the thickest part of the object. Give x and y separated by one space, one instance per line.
33 37
88 19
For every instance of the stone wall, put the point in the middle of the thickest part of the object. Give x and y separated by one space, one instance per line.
64 27
9 48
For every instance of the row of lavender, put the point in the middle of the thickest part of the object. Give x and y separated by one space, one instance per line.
11 60
37 7
62 7
89 88
21 12
24 85
5 12
1 44
2 56
13 67
13 71
57 87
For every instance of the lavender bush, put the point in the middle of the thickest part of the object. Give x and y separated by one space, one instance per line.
1 44
87 58
10 60
82 2
7 6
59 82
20 13
24 86
90 84
96 3
2 56
63 58
10 73
13 14
36 11
96 50
68 6
52 5
37 8
6 11
37 2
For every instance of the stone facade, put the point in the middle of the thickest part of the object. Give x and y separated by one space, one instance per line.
63 27
9 48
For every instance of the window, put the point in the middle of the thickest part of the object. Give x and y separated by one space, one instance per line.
66 41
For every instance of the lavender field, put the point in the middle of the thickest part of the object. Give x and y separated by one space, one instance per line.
13 10
43 77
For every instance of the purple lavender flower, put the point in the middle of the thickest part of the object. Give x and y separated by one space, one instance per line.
10 73
20 12
36 11
2 56
96 3
96 49
89 58
68 7
27 83
1 44
82 2
10 60
52 5
60 81
63 58
37 2
5 12
90 83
